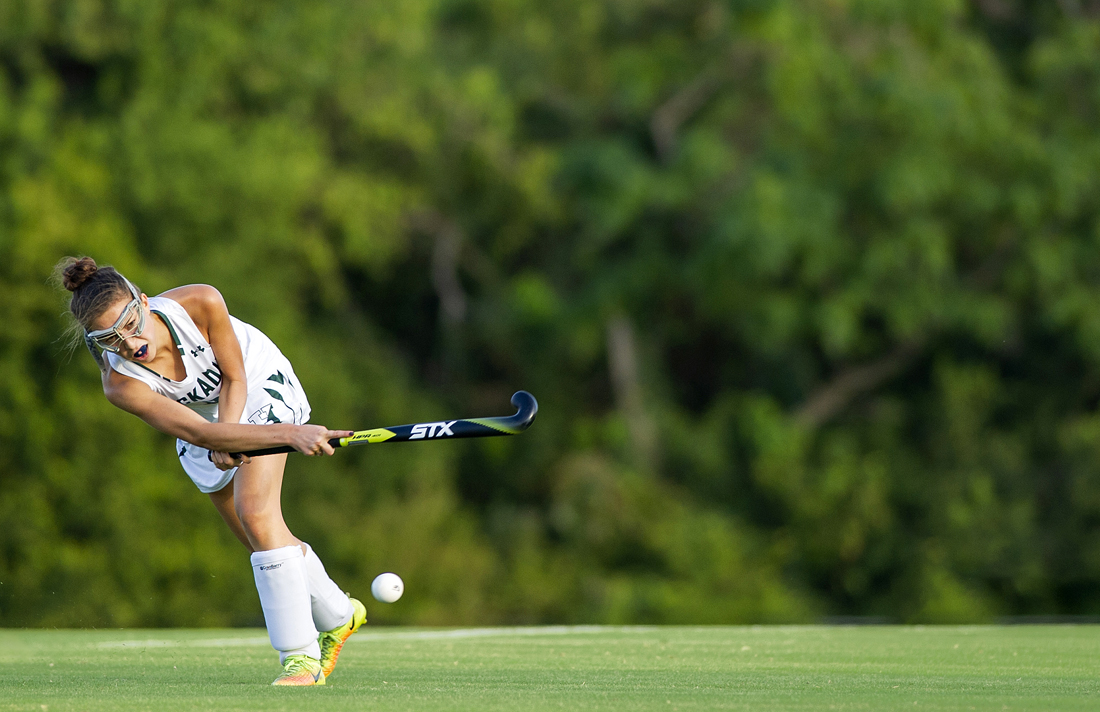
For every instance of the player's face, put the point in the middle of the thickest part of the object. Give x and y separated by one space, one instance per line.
121 329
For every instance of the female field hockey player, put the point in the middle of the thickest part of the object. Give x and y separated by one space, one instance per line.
182 364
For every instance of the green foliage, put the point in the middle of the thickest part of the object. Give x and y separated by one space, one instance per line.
805 290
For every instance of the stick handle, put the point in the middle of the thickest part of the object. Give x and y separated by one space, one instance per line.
335 442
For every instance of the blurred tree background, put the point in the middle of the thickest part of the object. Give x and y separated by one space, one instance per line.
808 290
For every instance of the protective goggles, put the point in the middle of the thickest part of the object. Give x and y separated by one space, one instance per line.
130 323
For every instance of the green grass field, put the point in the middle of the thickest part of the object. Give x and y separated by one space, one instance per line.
707 668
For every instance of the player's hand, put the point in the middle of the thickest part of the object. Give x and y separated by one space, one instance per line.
313 439
224 461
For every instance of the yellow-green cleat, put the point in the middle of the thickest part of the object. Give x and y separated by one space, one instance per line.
332 641
299 671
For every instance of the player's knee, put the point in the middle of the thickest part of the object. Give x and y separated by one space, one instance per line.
257 522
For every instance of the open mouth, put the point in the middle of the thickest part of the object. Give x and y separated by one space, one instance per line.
140 353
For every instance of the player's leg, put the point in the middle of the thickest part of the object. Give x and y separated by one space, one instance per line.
278 563
333 611
252 509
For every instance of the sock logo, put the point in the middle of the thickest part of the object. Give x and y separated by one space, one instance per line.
269 567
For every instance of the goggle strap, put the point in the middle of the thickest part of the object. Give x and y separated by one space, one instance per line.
96 352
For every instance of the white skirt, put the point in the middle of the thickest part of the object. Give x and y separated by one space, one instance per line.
280 400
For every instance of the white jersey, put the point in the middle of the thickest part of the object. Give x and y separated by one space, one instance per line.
274 395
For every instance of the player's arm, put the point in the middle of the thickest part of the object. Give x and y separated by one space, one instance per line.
208 310
177 420
206 307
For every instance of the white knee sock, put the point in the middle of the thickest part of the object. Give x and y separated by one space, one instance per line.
284 595
331 606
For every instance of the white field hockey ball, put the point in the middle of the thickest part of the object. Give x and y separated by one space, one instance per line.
387 588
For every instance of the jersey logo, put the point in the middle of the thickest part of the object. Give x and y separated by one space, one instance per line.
432 430
213 376
197 350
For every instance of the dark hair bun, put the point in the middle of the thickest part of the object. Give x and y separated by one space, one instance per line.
78 272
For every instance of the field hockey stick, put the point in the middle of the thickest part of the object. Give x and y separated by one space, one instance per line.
440 430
